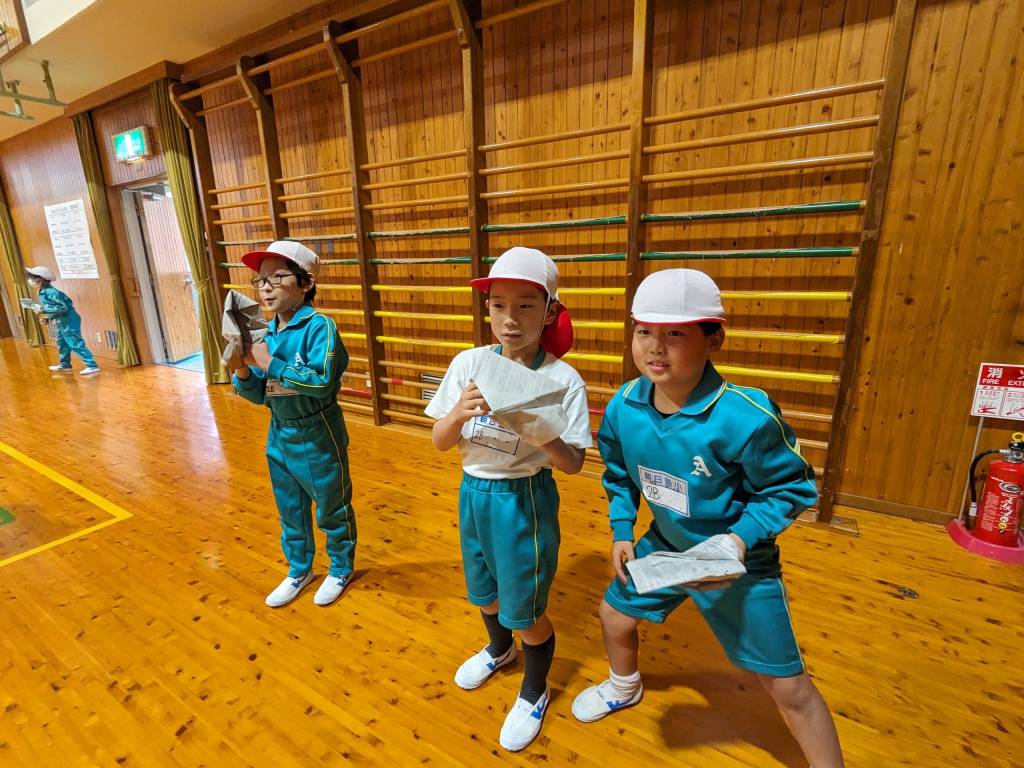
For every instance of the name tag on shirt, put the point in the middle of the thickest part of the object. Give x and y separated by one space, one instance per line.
489 433
665 490
275 389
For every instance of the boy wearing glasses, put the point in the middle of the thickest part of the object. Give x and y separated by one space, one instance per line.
296 373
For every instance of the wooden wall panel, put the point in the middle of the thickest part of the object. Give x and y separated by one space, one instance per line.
14 40
948 287
117 117
42 167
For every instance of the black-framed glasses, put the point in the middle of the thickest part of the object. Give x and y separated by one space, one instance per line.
273 280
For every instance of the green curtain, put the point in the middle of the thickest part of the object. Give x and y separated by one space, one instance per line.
33 333
127 347
174 146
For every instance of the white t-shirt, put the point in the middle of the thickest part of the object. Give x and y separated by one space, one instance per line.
491 452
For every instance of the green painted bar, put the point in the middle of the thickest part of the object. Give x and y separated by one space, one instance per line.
328 263
420 232
452 260
755 213
316 238
242 242
782 253
602 222
587 257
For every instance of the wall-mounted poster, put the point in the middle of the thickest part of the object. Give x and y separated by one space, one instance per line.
69 235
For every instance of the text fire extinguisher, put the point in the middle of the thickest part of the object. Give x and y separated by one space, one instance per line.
999 512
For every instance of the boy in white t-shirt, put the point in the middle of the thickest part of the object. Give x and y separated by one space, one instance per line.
508 501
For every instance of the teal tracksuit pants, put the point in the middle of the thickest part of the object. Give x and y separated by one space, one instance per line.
69 339
308 459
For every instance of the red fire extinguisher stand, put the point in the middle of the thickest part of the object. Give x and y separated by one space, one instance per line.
992 528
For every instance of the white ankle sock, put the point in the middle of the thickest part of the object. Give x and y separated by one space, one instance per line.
625 687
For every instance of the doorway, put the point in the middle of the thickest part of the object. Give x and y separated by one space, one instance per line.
169 298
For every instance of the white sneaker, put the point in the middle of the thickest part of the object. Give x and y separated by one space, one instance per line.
330 590
475 671
60 368
87 371
600 701
288 590
523 723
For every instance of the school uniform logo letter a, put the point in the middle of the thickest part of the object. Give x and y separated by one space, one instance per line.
300 361
699 467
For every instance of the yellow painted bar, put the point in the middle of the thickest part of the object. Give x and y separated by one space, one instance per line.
340 311
591 291
421 316
789 295
424 342
813 338
816 378
593 358
360 336
320 286
435 288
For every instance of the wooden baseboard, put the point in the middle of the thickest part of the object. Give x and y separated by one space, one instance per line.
893 508
844 525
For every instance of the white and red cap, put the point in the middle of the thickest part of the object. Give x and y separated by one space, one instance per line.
526 264
529 265
42 272
678 297
296 253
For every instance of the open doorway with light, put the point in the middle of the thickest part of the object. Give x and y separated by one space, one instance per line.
169 298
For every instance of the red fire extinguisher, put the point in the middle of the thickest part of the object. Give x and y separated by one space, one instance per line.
999 512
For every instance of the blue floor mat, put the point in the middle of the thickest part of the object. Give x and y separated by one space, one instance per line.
193 363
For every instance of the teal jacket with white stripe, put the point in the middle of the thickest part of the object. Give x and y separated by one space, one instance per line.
725 463
309 358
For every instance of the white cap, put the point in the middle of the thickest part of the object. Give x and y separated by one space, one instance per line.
294 252
42 272
678 297
526 264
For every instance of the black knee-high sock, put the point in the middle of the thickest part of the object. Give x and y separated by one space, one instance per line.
501 637
538 660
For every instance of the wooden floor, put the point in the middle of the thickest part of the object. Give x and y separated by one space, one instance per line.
147 643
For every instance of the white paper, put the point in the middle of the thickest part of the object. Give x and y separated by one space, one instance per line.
522 401
29 304
508 386
708 562
243 324
69 236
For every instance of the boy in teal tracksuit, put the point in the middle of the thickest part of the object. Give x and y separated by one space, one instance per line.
58 308
714 461
297 374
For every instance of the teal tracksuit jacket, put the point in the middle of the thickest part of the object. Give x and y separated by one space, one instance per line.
307 446
726 463
58 306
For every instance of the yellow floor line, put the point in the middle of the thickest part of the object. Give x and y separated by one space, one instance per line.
110 508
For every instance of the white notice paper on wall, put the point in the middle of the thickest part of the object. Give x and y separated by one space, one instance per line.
69 235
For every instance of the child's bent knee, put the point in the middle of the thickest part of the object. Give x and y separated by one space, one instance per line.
792 693
615 620
490 609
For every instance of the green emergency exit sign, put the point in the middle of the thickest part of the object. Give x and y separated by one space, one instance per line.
133 146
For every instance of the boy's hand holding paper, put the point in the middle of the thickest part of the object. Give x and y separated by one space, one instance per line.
242 326
712 564
523 401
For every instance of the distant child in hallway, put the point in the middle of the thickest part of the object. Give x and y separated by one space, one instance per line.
297 374
714 461
508 501
56 307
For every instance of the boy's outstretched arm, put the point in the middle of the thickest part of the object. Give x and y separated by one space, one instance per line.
779 479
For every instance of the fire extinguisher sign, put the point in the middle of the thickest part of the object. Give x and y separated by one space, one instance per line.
999 393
